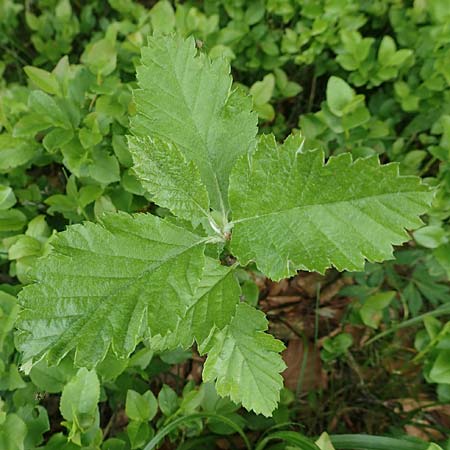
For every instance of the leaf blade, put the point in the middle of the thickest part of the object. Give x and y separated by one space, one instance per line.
312 215
245 362
109 284
165 173
212 308
187 99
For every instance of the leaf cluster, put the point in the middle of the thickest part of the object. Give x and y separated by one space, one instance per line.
366 79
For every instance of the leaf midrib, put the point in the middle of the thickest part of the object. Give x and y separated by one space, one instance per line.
203 139
84 318
316 205
154 266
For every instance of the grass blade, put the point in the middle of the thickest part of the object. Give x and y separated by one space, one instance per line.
366 442
185 419
290 437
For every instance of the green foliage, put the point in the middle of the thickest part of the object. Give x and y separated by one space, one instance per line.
324 442
187 99
175 184
243 362
371 310
321 203
334 348
141 407
122 295
366 79
108 284
78 405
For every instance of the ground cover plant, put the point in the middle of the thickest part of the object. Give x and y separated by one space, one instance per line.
187 189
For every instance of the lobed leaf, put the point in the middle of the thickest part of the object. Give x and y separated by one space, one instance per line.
212 308
165 173
245 362
106 284
187 99
291 211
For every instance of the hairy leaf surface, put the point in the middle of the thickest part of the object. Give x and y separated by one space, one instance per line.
165 173
187 99
105 284
293 212
213 306
245 362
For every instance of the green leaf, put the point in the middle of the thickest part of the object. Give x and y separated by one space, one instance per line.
298 441
59 442
80 397
162 17
57 138
434 447
43 80
104 167
431 236
24 246
250 292
15 152
12 220
30 124
386 51
131 184
8 313
114 443
7 197
339 95
52 379
12 379
63 10
109 284
244 362
187 99
336 346
174 183
89 194
291 212
103 205
440 371
141 407
324 442
111 367
368 442
262 90
414 299
89 138
389 57
36 419
190 401
121 150
167 400
355 118
138 433
38 228
432 326
371 310
265 111
100 57
400 57
213 305
442 255
13 432
46 107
